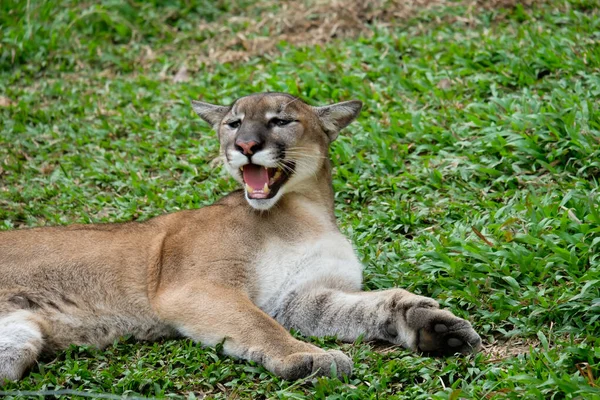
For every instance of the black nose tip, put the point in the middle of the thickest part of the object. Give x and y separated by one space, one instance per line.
247 147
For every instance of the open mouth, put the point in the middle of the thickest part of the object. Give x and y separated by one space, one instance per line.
263 182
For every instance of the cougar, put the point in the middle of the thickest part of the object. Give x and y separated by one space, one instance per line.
240 272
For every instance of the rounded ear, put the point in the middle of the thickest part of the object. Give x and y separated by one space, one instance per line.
336 117
211 113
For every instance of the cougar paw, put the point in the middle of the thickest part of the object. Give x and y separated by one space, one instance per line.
441 333
300 365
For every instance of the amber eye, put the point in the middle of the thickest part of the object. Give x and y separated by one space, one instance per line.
234 124
280 122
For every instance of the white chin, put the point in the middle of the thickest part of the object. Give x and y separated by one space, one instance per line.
264 204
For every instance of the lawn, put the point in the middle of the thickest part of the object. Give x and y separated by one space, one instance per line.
472 175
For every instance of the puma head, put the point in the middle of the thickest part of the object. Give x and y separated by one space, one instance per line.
274 143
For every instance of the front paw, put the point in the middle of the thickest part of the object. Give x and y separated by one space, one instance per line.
418 323
300 365
441 333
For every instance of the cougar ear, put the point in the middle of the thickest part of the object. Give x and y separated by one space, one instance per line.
211 113
336 117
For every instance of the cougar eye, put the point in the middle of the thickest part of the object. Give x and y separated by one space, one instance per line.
280 122
234 124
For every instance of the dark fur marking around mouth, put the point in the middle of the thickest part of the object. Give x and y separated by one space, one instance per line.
281 150
291 167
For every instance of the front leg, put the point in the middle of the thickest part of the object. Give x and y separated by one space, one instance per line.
395 315
213 314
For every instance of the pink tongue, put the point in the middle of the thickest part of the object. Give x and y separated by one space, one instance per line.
256 176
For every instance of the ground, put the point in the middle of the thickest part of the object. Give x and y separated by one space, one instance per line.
471 176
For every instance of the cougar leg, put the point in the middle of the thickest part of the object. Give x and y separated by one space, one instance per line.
216 314
394 315
21 341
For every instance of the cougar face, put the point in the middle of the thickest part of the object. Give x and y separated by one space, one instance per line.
274 143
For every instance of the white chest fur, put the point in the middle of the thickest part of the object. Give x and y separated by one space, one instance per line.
284 267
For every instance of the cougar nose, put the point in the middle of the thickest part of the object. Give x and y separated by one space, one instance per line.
247 147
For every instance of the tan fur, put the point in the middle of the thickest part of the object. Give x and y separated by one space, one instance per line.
207 273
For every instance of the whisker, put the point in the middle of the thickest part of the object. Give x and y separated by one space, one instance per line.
298 157
302 148
284 166
304 155
303 151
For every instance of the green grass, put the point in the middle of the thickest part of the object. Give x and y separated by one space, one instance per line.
485 124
